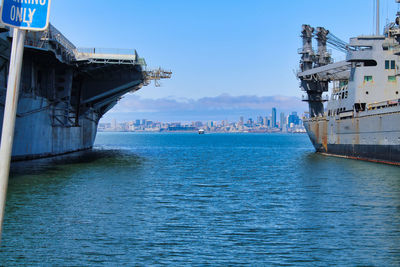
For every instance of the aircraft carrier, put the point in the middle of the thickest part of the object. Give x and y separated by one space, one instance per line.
361 117
65 91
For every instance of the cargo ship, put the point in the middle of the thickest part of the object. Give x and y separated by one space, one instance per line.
65 90
360 118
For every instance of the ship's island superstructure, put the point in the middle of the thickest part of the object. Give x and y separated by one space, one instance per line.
361 118
65 91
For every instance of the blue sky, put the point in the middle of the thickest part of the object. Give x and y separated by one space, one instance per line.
214 47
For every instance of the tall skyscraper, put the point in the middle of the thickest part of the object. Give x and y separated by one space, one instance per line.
283 121
273 119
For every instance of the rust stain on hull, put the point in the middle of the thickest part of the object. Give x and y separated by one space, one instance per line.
337 132
325 135
316 131
357 133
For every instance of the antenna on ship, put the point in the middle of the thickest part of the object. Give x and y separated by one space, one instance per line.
377 17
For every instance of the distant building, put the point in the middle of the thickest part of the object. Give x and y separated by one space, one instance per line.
282 120
265 121
259 120
197 124
293 118
273 119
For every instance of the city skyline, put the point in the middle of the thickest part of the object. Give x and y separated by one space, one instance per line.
223 107
287 123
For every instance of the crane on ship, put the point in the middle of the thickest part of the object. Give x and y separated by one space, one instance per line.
156 75
317 68
337 43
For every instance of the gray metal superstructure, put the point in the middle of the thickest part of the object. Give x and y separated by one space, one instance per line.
362 116
65 91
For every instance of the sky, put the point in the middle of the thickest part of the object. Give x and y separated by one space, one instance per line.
215 48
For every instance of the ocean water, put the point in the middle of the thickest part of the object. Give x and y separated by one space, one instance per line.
213 199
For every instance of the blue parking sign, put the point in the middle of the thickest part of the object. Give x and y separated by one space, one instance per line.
26 14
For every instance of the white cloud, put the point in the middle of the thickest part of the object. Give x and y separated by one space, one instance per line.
134 103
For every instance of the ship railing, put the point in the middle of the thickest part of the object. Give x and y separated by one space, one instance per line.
323 98
383 104
43 39
70 53
312 51
34 42
107 55
115 51
56 35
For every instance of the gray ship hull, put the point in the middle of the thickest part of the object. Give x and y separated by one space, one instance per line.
371 135
361 118
37 136
64 92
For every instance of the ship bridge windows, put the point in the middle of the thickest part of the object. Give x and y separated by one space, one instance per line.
359 106
368 78
370 63
390 64
360 47
342 94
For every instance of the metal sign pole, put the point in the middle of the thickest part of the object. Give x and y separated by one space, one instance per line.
10 111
